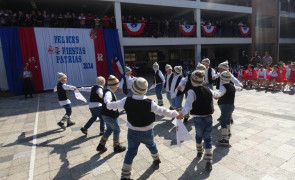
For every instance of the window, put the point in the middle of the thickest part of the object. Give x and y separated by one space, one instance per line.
153 56
130 57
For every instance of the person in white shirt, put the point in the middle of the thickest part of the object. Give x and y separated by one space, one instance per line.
64 101
261 76
167 84
28 87
95 104
140 122
126 81
226 99
176 95
224 67
209 74
111 117
159 80
199 103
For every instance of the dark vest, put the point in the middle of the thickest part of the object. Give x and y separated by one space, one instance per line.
203 105
188 84
139 112
210 75
105 111
94 96
229 96
157 77
169 80
62 94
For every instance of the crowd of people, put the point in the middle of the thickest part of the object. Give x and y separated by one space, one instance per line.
231 2
54 19
226 28
163 27
169 27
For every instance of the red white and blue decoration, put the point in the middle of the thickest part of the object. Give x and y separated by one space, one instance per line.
245 31
208 30
134 29
187 30
82 54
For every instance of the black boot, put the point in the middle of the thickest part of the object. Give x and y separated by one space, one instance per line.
70 124
119 148
101 133
156 164
208 166
199 154
62 125
84 131
101 148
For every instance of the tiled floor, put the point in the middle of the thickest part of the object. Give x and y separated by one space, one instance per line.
262 145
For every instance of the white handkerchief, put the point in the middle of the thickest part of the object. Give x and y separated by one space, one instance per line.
79 96
182 133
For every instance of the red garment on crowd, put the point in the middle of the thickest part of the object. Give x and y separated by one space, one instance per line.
268 70
292 76
251 75
241 73
283 72
106 21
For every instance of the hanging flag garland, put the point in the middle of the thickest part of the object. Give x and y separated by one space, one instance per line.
134 29
245 31
208 30
187 30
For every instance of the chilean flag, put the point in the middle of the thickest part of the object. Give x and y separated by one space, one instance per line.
208 30
134 29
187 30
245 31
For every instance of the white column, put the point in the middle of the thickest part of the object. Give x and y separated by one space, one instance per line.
197 54
197 14
118 16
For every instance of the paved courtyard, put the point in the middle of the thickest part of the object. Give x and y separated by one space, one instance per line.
262 144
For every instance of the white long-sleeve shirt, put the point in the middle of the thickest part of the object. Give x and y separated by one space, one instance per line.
154 108
233 79
99 92
183 82
167 81
66 87
273 73
191 97
129 80
108 98
161 75
206 74
222 90
173 91
288 72
261 74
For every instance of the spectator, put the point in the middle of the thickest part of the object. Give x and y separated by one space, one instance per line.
28 21
255 59
60 20
46 19
113 22
20 19
106 21
74 21
82 20
89 20
241 24
34 18
243 61
39 19
96 22
267 59
68 18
